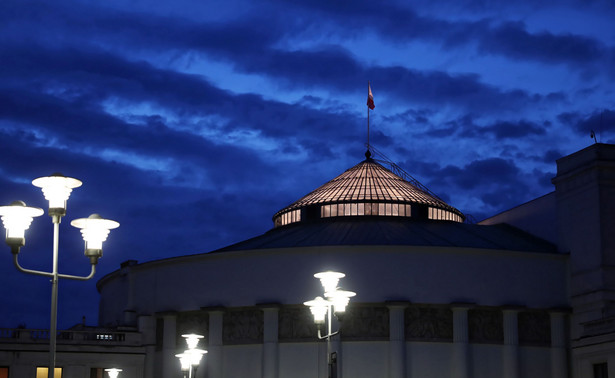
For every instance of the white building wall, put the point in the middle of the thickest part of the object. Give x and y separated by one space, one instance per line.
376 273
364 359
303 360
242 361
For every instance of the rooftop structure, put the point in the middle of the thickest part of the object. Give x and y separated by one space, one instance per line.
367 190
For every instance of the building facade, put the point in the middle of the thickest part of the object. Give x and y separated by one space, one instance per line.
526 293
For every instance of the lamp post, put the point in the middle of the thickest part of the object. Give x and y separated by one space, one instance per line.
17 218
323 309
191 357
113 372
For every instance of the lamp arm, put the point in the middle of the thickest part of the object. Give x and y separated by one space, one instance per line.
320 337
30 271
49 274
80 278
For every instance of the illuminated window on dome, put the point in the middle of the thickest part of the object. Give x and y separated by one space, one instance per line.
362 209
325 211
288 217
440 214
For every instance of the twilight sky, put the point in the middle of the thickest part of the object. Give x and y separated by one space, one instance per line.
192 122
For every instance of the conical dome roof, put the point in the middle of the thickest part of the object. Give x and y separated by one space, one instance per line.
367 189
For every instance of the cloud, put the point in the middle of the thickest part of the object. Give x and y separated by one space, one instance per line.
513 40
481 187
600 121
510 39
505 130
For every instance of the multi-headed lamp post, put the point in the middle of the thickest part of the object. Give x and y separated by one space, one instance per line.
323 309
191 357
17 218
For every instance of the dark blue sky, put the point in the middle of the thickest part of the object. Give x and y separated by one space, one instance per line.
192 122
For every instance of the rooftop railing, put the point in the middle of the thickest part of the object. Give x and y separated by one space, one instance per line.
97 337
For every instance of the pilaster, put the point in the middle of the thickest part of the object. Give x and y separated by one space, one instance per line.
215 368
397 339
511 344
270 340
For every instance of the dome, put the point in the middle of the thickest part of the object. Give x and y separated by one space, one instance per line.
368 189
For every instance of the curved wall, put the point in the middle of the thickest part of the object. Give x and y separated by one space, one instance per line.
433 275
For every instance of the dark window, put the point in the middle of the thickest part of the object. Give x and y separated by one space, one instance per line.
97 373
601 370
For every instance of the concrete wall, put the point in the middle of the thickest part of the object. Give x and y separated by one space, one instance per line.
376 273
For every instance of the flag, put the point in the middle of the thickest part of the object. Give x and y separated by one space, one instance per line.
370 97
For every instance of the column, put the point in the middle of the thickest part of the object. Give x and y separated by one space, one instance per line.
336 347
130 316
397 340
170 363
147 328
270 340
511 344
559 360
215 353
461 349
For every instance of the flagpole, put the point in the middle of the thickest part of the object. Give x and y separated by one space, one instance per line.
370 105
368 88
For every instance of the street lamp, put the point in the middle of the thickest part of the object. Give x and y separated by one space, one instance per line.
113 372
191 357
323 309
17 218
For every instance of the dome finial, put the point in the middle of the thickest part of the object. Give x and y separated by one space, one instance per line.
368 154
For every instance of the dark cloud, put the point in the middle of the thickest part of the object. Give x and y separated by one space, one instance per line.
482 173
510 38
505 130
513 40
329 66
492 185
601 122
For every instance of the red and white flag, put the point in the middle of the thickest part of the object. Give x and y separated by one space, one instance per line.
370 97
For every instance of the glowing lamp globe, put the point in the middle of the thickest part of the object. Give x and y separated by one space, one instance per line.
56 189
318 307
329 279
16 219
184 360
340 299
94 230
113 372
190 357
192 339
195 355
